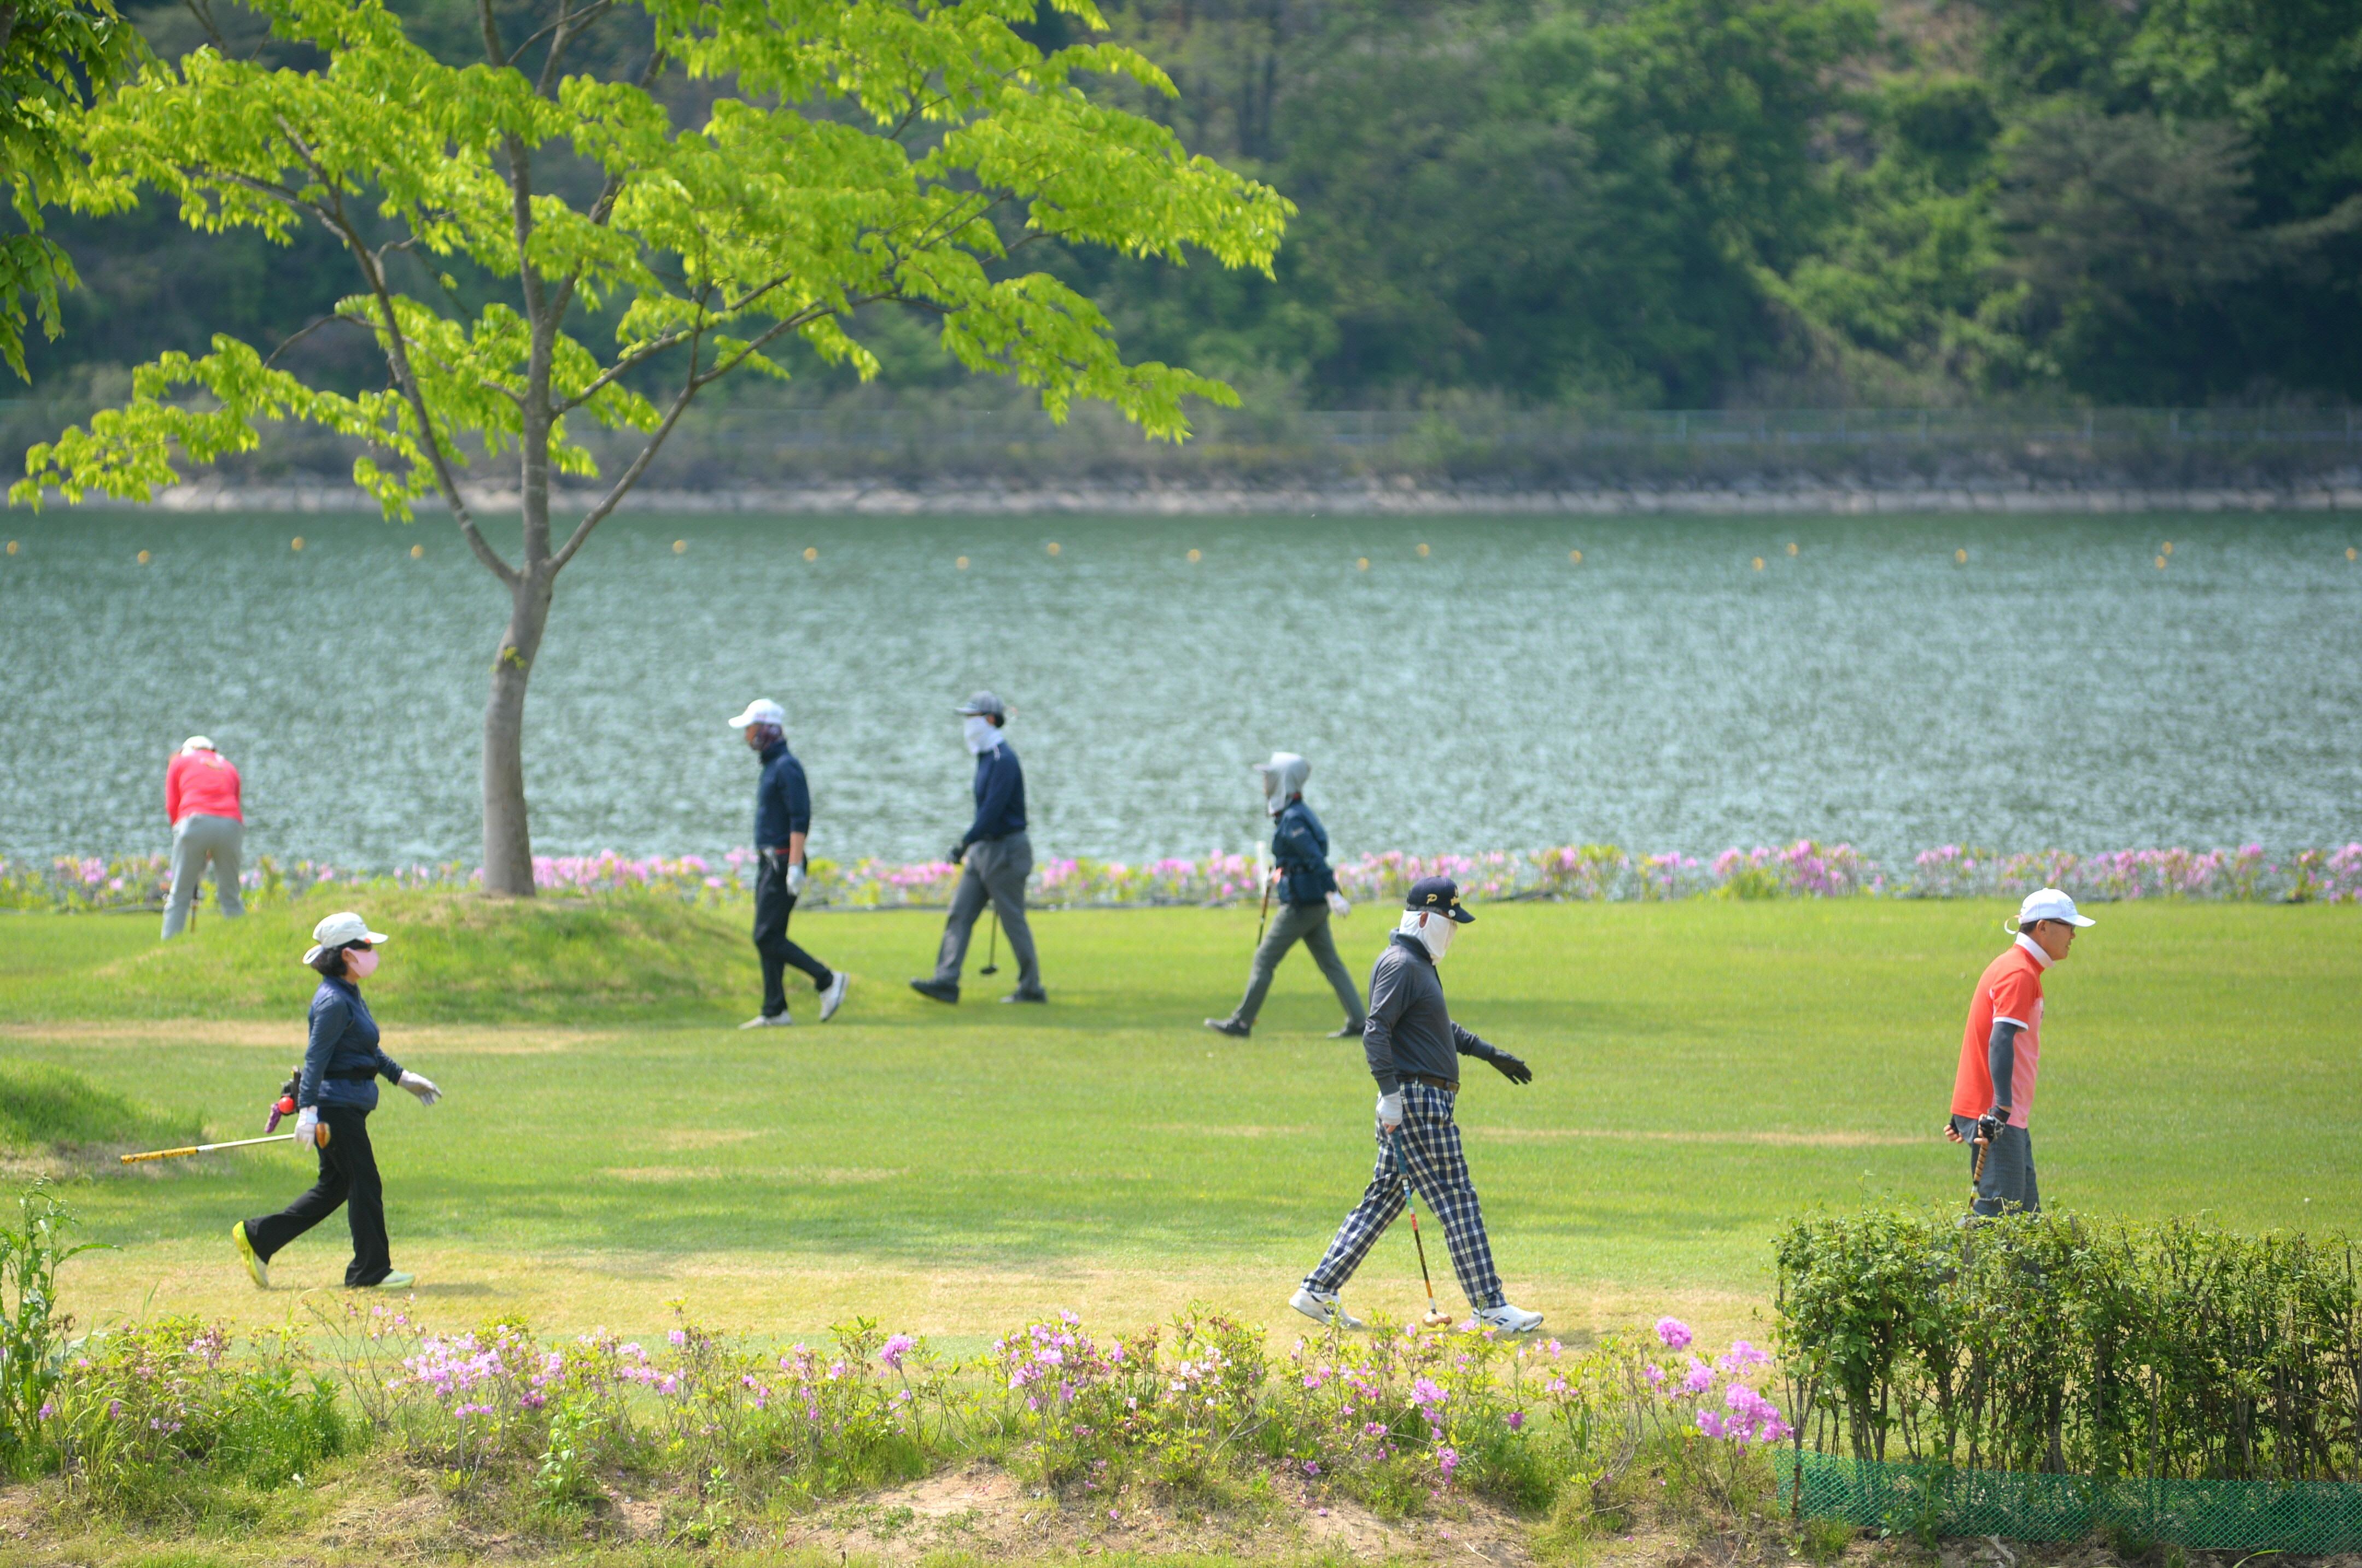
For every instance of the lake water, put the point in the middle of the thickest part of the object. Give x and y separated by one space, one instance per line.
2060 688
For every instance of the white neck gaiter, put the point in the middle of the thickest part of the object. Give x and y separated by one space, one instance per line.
1435 936
980 732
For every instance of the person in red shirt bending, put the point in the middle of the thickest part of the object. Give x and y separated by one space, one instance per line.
2000 1051
200 797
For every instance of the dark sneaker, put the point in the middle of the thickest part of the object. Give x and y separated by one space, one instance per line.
936 990
1025 996
1230 1026
1351 1032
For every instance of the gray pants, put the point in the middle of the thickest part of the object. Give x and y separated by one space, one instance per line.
196 839
994 871
2007 1186
1307 924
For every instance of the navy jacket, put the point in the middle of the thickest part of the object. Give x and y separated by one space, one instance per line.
1299 848
342 1063
999 796
782 800
1410 1030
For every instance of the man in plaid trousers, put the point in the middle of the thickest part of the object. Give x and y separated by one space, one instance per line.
1414 1050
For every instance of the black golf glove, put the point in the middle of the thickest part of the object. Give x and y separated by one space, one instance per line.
1989 1124
957 854
1511 1067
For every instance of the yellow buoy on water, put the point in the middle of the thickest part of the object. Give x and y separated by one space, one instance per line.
418 552
1575 557
2165 548
1195 556
2160 563
1792 547
143 557
1054 547
1422 552
1361 563
811 553
12 550
1959 557
296 544
681 547
1759 563
961 563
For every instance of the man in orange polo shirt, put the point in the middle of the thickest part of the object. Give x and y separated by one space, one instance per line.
200 798
2001 1052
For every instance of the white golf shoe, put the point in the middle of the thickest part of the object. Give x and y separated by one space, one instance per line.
1509 1319
833 998
1323 1308
768 1021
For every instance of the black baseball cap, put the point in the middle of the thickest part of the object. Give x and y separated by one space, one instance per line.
1439 894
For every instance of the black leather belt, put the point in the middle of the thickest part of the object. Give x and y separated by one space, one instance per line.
352 1078
1449 1085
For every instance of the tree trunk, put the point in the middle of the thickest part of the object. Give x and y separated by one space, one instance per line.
508 837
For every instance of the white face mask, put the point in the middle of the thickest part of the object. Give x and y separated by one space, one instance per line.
980 732
1435 935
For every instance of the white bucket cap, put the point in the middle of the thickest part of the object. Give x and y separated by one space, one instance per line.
2049 903
761 710
338 929
197 743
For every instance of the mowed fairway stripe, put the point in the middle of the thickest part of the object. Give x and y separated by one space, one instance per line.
1704 1071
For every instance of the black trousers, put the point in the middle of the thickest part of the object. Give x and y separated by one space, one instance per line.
772 904
347 1175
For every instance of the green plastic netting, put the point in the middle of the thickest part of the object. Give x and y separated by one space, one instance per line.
2252 1516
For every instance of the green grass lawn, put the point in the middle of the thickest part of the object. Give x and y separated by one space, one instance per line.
1703 1071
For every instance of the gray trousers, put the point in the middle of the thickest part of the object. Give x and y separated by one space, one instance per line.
197 838
993 871
1307 924
2007 1186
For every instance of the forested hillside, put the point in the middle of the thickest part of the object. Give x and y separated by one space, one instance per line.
1634 204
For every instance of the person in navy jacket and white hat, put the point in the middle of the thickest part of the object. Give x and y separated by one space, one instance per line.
336 1092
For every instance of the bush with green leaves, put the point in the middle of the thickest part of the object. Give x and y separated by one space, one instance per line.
2061 1345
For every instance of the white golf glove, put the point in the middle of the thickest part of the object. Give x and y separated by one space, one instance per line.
1337 906
1390 1110
307 1127
797 878
423 1088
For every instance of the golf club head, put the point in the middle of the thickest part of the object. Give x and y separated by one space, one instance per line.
1434 1317
989 969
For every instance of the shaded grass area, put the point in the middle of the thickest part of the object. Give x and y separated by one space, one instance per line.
45 1108
1704 1071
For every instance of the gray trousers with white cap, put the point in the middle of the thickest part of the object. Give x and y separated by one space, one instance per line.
197 838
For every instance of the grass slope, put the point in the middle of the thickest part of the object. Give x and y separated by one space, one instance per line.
1703 1070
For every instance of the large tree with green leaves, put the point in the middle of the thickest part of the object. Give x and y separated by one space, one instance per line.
55 55
826 156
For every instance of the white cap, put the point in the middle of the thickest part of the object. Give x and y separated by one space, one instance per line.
2049 903
196 743
761 710
338 929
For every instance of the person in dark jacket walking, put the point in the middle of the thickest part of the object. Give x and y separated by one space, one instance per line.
782 825
1414 1050
338 1091
1308 895
996 858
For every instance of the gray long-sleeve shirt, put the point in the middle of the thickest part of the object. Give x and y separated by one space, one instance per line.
1410 1030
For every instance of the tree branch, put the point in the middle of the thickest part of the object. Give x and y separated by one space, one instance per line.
631 476
301 333
580 18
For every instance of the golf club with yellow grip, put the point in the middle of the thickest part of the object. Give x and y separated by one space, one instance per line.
319 1139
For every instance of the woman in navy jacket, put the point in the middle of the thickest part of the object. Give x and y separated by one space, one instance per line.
337 1093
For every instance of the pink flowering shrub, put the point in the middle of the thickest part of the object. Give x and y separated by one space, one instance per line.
1585 873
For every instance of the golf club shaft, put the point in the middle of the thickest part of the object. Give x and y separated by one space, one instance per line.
1411 1204
1264 919
992 955
209 1148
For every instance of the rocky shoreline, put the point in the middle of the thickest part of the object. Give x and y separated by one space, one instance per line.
2333 492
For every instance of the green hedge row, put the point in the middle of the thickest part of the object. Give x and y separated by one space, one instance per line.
2059 1345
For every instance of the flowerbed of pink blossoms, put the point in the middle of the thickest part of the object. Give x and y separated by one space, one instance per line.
1586 872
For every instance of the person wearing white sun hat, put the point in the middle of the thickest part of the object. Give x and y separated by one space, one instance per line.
782 825
2001 1052
201 802
336 1092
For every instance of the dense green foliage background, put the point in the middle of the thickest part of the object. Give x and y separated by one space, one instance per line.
1632 203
